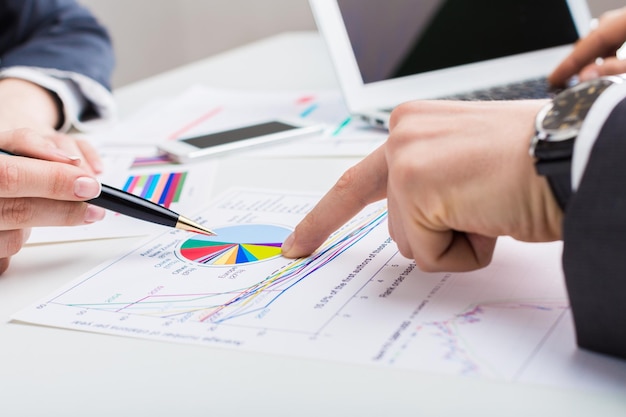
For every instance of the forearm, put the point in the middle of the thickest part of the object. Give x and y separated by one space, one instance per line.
25 104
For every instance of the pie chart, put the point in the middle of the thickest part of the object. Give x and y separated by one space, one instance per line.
237 244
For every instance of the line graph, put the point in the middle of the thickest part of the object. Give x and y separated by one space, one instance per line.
465 341
230 304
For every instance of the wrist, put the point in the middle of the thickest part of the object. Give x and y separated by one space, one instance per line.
558 126
550 210
544 216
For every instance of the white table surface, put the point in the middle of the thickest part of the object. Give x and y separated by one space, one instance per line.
54 372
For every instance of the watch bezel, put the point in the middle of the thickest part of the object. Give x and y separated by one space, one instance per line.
557 135
551 135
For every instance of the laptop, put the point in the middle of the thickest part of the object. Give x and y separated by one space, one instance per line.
386 52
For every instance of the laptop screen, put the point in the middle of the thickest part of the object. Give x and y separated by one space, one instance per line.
396 38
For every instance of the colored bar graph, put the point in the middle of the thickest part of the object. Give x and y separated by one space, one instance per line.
166 189
150 183
163 189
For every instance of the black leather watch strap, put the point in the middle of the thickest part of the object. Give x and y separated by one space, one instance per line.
558 173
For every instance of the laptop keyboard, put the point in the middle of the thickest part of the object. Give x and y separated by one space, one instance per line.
534 88
528 89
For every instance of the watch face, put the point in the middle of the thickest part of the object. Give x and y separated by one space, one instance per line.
563 119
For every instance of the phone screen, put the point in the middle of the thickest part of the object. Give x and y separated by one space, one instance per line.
229 136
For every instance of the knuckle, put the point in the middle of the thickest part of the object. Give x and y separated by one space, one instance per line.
73 213
405 251
57 182
424 264
345 187
482 260
9 177
16 211
401 111
346 181
427 266
405 135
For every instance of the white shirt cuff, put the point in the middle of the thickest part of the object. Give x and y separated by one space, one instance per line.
591 127
76 92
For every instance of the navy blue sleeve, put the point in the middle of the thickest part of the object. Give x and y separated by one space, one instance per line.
594 237
59 34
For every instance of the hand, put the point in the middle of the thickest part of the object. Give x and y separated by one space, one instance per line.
43 190
456 176
595 54
27 105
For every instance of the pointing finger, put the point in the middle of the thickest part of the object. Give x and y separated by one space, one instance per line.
362 184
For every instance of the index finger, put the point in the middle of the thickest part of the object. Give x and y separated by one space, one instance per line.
27 177
29 143
359 186
601 42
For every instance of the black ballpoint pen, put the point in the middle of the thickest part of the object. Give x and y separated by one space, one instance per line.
140 208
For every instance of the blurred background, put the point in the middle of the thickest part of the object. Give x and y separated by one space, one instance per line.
153 36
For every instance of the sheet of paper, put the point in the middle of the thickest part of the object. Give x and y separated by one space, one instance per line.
202 109
355 300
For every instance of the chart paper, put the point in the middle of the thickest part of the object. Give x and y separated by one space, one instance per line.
355 300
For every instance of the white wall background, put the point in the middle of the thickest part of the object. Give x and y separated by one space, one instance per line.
152 36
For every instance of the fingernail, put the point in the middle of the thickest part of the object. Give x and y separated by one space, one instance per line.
85 187
72 158
94 214
589 75
288 243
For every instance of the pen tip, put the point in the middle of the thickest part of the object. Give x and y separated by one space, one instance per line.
191 226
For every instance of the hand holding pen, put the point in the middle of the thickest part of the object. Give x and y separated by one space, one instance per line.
36 192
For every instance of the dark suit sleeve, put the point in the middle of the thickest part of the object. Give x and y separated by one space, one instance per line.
594 235
57 34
